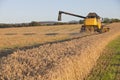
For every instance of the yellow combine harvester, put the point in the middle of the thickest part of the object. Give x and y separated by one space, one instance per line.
92 22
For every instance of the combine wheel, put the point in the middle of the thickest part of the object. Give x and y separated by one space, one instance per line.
100 31
82 29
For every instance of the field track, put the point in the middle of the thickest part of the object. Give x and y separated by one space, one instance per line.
69 60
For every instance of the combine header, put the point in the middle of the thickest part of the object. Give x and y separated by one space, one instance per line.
92 22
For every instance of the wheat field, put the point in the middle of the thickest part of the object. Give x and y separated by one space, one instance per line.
68 60
27 36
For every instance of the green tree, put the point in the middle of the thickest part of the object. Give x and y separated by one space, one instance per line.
34 23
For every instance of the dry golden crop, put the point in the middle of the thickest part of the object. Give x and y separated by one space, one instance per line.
69 60
26 36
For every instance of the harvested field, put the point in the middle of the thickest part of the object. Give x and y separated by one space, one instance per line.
27 36
69 60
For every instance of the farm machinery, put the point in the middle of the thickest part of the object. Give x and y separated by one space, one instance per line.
92 22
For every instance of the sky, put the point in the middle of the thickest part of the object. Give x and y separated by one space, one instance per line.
21 11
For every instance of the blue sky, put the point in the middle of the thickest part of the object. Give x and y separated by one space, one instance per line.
18 11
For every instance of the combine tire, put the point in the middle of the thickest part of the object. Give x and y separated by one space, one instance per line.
82 29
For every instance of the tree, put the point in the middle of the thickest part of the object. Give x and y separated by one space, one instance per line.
81 21
106 20
34 23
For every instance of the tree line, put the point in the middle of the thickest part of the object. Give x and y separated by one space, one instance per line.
35 23
108 20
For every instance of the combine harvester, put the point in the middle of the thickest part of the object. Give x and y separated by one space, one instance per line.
92 22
